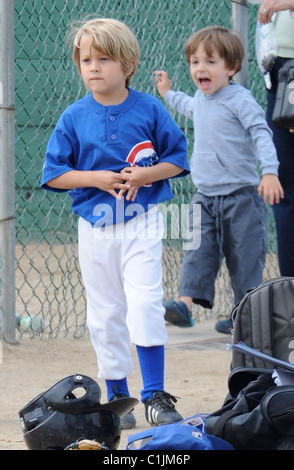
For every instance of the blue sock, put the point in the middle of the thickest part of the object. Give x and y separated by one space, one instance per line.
116 386
151 362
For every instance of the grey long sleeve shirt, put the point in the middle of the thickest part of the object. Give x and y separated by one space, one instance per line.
230 137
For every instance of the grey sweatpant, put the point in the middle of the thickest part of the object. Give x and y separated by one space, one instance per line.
233 227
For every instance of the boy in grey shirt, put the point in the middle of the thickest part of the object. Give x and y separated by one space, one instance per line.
230 137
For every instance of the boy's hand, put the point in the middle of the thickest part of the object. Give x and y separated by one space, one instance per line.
135 177
110 182
271 189
162 82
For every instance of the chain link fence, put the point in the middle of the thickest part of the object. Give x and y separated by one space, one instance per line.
48 280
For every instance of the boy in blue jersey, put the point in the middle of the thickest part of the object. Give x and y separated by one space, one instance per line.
230 137
114 151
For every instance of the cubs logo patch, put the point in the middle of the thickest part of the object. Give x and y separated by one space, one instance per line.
143 154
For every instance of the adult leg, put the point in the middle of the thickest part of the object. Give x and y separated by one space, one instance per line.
284 218
284 211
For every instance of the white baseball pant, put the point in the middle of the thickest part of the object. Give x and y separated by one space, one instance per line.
122 273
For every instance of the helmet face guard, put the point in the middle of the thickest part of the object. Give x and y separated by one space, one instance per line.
58 417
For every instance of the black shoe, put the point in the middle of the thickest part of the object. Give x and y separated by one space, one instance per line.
160 410
128 421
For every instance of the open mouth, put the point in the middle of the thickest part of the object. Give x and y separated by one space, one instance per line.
204 82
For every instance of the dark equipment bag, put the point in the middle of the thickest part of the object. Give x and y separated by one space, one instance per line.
264 320
283 114
256 414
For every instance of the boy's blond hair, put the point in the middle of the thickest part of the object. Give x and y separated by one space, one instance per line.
113 38
228 45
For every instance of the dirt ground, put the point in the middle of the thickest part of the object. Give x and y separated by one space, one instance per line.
197 369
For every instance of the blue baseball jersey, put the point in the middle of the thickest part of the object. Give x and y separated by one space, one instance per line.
90 136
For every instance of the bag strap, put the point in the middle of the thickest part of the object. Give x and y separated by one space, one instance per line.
261 322
222 427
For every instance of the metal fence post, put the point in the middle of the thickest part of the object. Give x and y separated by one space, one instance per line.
240 26
7 171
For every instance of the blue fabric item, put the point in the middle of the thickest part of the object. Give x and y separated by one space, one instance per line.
188 434
151 362
116 387
92 137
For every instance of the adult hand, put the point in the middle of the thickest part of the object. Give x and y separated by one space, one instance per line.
269 7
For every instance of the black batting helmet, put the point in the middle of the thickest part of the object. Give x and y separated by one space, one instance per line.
58 417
